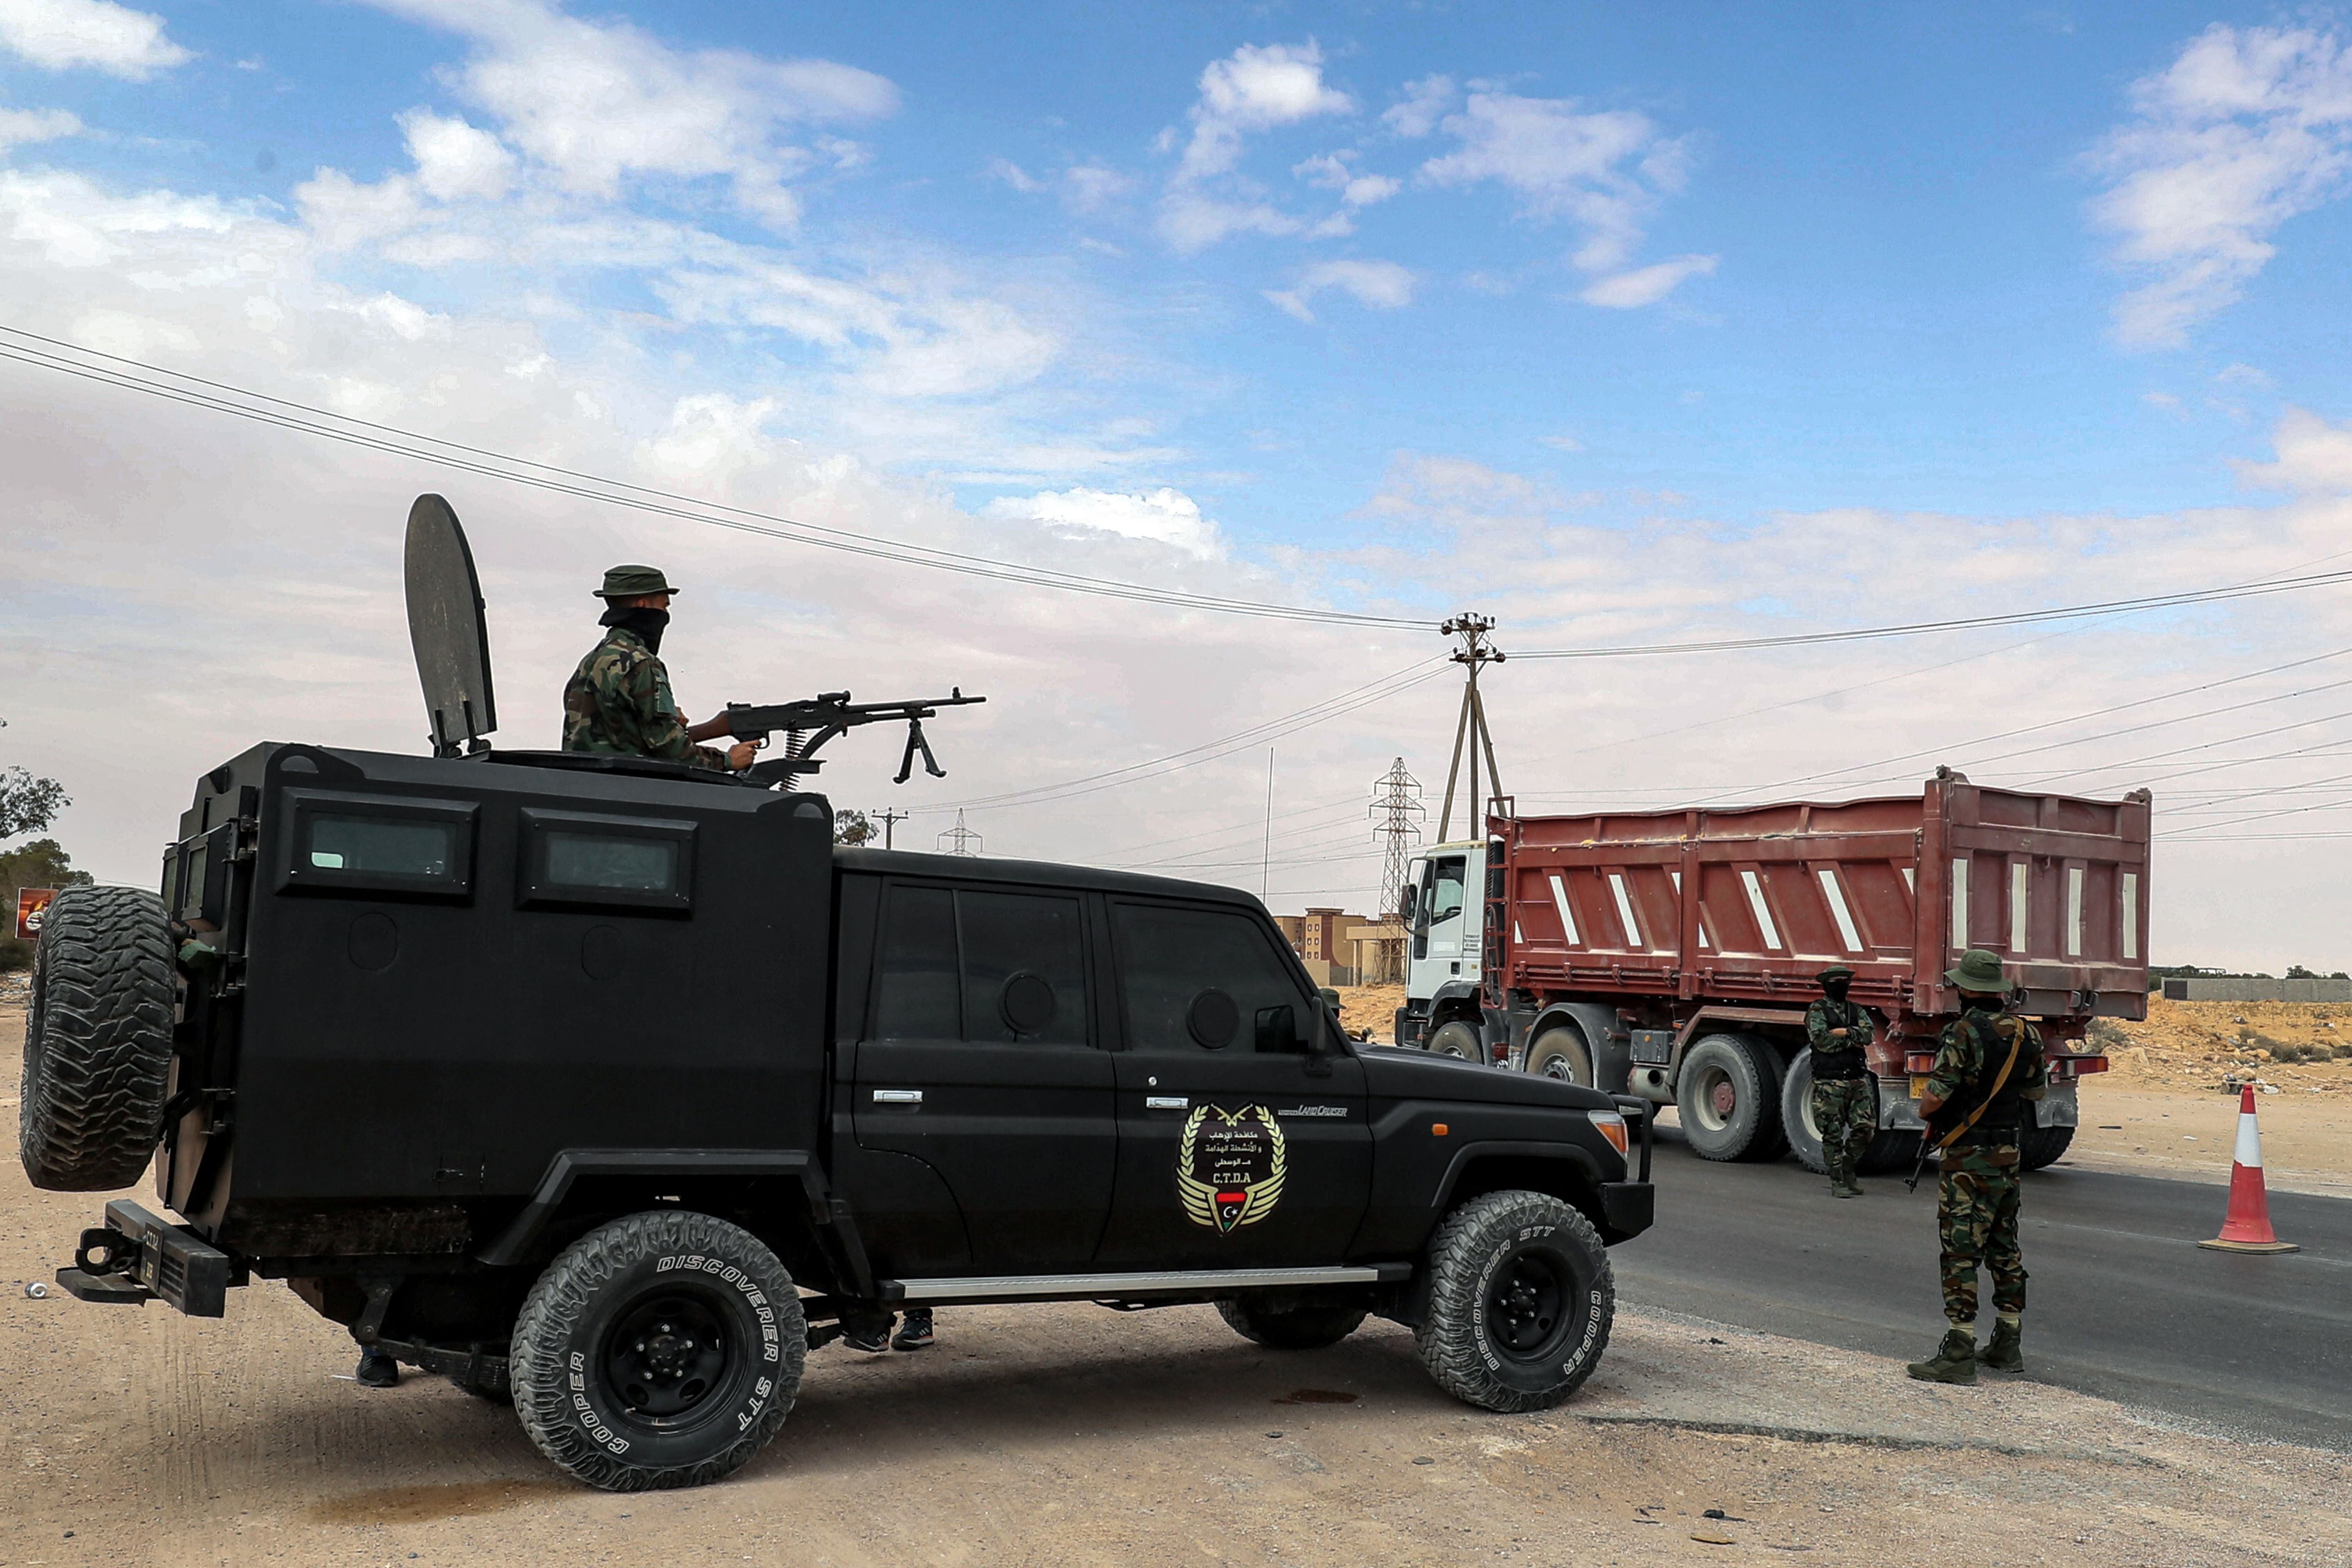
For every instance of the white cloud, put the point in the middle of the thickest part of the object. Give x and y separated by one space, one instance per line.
600 104
1424 103
1256 88
1162 516
1012 175
1335 172
2246 129
2314 457
21 126
1646 285
1087 187
1561 443
57 35
1605 171
1381 285
454 161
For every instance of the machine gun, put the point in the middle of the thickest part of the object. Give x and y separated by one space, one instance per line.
808 725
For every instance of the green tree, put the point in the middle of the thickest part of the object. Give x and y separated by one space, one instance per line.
853 827
40 864
27 804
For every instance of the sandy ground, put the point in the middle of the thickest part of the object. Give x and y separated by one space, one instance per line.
2169 1106
1069 1435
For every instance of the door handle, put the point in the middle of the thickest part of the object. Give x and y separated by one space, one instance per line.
898 1097
1165 1103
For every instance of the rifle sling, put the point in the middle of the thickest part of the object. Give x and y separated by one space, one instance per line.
2016 1039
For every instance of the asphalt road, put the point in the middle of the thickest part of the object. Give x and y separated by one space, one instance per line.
2121 1302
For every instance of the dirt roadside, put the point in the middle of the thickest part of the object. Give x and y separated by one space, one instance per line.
1069 1434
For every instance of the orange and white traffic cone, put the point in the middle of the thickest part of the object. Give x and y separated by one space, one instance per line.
2248 1227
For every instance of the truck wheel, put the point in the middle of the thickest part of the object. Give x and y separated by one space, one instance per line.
1521 1300
2040 1146
663 1350
1303 1326
1559 1053
98 1041
1458 1040
1890 1150
1727 1096
1803 1133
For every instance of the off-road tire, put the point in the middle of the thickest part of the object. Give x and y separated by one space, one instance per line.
1464 1340
1564 1045
566 1359
98 1041
2040 1146
1750 1129
1457 1039
1301 1326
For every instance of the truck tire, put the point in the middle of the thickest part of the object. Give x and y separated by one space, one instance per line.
1458 1040
1892 1150
1520 1302
98 1041
2040 1146
1727 1098
1560 1053
1301 1326
1797 1125
662 1350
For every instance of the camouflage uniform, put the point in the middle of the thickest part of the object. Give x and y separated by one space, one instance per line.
618 701
1845 1091
1976 1209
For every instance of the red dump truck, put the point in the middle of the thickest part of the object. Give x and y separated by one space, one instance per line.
1671 954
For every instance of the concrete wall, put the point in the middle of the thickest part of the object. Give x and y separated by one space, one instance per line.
2258 990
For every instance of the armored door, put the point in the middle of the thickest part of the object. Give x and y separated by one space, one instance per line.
981 1062
1237 1146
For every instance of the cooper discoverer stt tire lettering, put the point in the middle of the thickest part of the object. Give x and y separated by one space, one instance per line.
662 1350
98 1041
1521 1300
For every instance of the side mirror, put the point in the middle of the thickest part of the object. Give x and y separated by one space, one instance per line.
1405 904
1277 1031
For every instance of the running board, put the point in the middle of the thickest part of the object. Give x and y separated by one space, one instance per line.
1133 1287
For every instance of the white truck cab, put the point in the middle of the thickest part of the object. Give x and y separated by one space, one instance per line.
1444 914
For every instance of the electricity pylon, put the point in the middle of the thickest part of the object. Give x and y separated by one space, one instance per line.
1475 654
960 839
1396 800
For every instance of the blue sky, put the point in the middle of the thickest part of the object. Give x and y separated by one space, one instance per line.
1627 323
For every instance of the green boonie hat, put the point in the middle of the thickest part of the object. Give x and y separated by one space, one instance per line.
1979 972
628 582
1833 973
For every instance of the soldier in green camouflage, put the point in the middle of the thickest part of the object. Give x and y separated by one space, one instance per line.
1989 1066
618 701
1845 1091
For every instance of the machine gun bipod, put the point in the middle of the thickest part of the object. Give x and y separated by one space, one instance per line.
808 725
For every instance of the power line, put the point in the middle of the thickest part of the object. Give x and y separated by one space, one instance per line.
390 439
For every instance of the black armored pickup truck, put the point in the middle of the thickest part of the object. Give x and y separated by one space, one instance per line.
615 1087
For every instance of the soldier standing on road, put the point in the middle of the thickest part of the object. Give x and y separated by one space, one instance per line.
1845 1091
1988 1066
619 701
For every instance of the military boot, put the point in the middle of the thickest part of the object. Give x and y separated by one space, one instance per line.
1953 1361
2003 1353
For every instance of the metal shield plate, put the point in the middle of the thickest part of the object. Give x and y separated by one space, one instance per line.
447 629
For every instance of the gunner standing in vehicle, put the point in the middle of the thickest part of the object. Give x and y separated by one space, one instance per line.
1988 1066
619 701
1845 1091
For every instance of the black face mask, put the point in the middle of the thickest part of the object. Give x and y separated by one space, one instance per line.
645 622
1835 990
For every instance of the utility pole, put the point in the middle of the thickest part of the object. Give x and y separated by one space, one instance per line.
1396 800
960 839
888 819
1475 654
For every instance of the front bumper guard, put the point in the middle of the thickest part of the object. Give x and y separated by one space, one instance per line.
139 1258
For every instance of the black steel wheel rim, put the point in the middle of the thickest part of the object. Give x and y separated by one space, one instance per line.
1531 1305
672 1358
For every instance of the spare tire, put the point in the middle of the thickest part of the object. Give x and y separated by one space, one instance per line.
98 1041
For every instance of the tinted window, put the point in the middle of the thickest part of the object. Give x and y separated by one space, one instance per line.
920 997
1168 957
591 861
377 845
982 967
1023 972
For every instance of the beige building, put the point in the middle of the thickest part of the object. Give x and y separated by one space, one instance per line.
1323 939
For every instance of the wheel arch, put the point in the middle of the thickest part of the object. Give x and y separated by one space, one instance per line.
1560 1171
1607 1044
